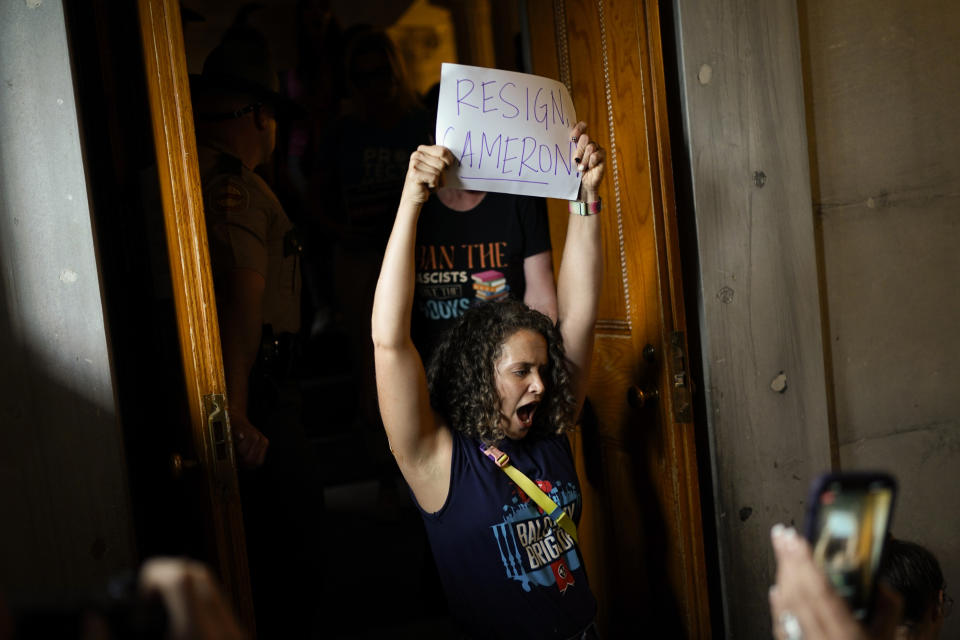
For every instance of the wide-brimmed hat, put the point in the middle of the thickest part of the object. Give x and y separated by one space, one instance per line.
241 63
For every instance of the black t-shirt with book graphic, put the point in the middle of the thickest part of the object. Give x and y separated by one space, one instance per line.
468 257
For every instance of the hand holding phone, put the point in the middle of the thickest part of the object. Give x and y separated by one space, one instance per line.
848 518
802 604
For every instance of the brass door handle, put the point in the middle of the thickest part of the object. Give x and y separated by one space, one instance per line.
639 398
179 466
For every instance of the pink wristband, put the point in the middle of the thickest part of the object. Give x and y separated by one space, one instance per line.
581 208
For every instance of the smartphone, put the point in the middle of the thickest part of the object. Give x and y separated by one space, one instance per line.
848 519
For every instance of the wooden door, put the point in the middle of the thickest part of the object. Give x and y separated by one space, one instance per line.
182 202
641 530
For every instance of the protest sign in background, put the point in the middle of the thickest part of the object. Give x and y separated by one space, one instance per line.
509 131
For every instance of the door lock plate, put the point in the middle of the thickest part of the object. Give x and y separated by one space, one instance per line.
681 396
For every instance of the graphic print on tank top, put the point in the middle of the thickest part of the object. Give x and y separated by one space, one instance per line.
534 549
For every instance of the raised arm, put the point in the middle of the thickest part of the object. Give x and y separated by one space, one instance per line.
415 439
581 268
541 292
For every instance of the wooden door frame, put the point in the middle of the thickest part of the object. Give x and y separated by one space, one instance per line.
186 236
573 32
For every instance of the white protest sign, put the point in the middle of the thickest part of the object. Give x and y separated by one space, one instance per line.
509 131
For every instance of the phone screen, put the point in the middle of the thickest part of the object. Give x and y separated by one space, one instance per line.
848 532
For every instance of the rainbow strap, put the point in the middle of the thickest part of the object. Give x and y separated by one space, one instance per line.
543 501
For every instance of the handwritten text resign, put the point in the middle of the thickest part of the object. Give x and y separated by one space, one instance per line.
506 127
512 155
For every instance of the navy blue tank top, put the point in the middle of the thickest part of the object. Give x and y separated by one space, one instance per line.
507 569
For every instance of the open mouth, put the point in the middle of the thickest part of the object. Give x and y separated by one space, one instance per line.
525 413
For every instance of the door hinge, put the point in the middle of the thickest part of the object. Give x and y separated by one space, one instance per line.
680 394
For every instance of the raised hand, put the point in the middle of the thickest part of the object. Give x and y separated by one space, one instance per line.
590 161
425 173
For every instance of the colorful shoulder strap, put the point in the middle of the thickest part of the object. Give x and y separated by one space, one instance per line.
550 507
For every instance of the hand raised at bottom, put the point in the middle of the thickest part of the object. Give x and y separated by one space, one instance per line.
804 605
196 607
251 445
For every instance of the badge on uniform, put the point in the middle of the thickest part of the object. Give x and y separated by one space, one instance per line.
232 196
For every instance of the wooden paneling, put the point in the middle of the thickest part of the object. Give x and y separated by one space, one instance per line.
547 58
474 33
182 200
642 536
759 302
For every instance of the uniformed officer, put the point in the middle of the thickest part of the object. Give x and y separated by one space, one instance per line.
254 256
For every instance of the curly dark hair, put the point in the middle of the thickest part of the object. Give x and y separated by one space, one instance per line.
915 573
461 374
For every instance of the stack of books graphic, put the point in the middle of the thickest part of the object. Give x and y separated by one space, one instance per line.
490 285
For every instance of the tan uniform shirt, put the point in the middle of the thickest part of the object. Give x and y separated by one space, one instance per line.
248 229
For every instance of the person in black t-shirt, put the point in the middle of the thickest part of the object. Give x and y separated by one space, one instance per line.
475 246
472 247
